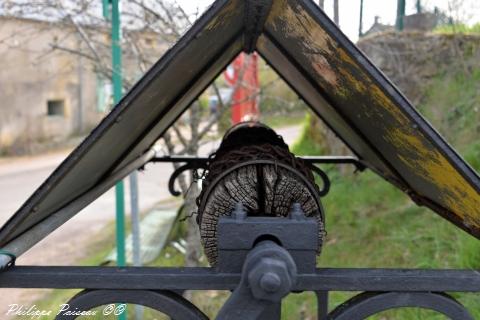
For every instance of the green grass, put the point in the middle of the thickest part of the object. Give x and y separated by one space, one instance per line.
452 104
304 146
372 224
458 28
369 222
279 121
98 250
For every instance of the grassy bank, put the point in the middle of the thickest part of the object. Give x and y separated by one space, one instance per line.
372 224
282 120
369 222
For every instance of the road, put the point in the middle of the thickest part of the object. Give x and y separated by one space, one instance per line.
20 177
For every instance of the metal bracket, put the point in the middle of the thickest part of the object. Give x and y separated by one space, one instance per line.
267 250
238 234
194 163
167 302
256 13
189 166
201 161
5 264
269 274
368 304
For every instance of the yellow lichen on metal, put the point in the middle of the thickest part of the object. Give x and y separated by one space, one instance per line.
456 193
418 154
349 85
316 41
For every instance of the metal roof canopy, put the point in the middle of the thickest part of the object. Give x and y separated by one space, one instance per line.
317 60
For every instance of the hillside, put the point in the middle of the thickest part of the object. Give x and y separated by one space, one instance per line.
440 74
369 222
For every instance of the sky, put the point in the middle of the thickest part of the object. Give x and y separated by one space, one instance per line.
468 11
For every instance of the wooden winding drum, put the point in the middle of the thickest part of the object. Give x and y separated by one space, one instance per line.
254 166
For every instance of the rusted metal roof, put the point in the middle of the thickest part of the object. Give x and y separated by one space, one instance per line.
306 48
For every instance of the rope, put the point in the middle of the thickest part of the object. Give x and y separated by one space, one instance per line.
249 143
220 162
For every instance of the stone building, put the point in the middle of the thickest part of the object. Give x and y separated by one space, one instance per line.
420 21
48 95
378 27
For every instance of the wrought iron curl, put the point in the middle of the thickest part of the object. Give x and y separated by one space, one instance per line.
368 304
167 302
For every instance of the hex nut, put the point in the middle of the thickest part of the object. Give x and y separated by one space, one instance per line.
269 279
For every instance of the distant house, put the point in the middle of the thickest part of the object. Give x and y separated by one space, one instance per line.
377 27
50 95
424 21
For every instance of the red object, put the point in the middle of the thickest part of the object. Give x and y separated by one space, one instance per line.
245 91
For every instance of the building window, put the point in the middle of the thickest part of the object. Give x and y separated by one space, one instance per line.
104 94
55 108
149 42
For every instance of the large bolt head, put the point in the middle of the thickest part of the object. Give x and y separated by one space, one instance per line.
270 282
269 279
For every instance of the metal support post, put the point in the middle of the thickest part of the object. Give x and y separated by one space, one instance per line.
117 95
400 14
419 6
322 304
137 259
268 275
360 25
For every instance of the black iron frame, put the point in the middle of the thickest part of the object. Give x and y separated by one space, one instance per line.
199 161
383 287
155 287
194 163
203 278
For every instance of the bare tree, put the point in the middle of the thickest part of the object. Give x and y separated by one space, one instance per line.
457 15
336 17
141 20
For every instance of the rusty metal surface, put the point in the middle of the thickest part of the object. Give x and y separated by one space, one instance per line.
340 84
397 141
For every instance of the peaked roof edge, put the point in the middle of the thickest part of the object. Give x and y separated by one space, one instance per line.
156 101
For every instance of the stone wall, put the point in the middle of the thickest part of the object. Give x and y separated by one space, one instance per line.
412 59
